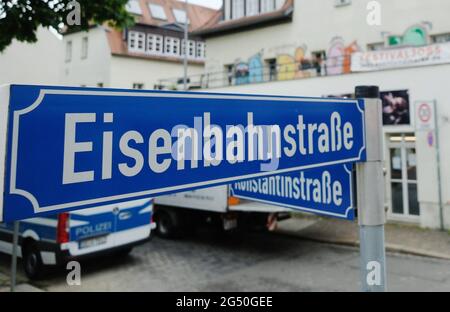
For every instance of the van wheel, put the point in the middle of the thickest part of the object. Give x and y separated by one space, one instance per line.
32 262
166 224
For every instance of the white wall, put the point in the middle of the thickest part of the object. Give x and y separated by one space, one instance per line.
424 83
32 63
127 70
89 71
316 23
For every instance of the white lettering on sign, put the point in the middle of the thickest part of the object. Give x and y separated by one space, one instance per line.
324 190
208 146
71 148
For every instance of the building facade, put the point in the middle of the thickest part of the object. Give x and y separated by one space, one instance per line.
142 55
326 48
37 63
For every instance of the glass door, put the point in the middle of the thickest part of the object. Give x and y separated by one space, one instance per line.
403 177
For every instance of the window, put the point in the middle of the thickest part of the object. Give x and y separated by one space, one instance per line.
230 73
318 61
157 11
341 3
172 46
227 8
238 8
252 7
154 44
133 7
191 48
176 47
375 46
272 66
279 4
138 86
136 41
442 38
201 51
69 51
84 48
267 6
180 16
402 173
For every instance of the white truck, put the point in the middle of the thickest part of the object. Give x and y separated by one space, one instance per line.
181 212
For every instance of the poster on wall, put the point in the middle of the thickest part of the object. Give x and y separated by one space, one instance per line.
403 57
396 108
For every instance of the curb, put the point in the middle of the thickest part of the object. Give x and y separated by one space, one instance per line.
351 243
23 287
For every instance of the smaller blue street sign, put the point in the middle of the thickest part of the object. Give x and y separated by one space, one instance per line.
324 190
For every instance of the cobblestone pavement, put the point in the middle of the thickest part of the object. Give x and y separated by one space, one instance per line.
254 262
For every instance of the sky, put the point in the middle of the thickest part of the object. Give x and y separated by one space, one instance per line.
215 4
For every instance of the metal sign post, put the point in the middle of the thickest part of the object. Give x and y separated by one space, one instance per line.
370 193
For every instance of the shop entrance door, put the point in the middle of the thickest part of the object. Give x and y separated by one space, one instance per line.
402 173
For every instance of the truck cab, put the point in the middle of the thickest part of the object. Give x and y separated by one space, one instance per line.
178 213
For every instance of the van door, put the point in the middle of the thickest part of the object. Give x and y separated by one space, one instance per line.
92 228
132 220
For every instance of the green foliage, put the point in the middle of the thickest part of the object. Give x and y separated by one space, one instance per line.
19 19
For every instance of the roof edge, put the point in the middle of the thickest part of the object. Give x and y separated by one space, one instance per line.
285 13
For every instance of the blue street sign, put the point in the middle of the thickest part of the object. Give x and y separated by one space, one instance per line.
324 190
71 148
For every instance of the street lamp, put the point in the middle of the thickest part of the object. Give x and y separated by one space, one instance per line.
186 30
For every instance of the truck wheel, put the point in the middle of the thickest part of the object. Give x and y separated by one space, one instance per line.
32 261
166 224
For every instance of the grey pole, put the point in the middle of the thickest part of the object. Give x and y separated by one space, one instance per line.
14 256
186 37
370 194
438 167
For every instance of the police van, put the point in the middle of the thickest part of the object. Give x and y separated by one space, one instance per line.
57 239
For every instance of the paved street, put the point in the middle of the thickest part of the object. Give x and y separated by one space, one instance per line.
257 262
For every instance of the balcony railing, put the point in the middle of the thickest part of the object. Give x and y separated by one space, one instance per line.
284 69
242 74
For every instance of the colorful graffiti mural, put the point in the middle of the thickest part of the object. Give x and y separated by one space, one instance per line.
291 67
296 66
256 68
251 71
241 73
286 67
339 56
416 35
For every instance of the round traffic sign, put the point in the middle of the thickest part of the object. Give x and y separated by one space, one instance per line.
425 112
